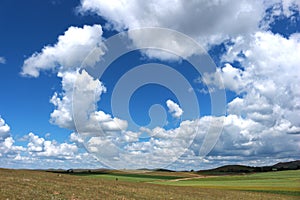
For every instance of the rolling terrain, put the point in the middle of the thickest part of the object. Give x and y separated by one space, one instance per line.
144 184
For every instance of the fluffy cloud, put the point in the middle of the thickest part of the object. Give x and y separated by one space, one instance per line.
77 105
69 52
7 147
163 148
241 16
208 28
241 140
265 117
77 139
211 23
41 153
62 115
270 79
226 77
259 121
207 22
43 148
280 9
67 56
248 138
174 109
2 60
4 129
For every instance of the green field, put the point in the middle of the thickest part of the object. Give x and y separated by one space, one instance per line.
27 184
135 177
283 182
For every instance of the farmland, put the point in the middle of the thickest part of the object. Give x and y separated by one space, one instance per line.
284 182
27 184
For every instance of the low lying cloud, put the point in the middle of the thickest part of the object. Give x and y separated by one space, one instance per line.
39 147
41 153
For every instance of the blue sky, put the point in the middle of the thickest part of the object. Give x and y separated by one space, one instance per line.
151 107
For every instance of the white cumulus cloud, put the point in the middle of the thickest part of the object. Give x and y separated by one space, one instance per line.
69 52
7 147
174 109
39 147
260 121
4 129
270 79
80 92
208 22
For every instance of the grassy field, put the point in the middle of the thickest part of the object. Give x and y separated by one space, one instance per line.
283 182
135 177
25 184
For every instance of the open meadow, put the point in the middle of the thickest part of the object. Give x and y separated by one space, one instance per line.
27 184
283 182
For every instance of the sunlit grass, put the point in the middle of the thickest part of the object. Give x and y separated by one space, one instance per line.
283 182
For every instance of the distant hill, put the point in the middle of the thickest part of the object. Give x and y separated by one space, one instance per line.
287 165
234 169
226 169
163 170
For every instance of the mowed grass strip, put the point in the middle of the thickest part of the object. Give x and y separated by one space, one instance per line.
281 182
